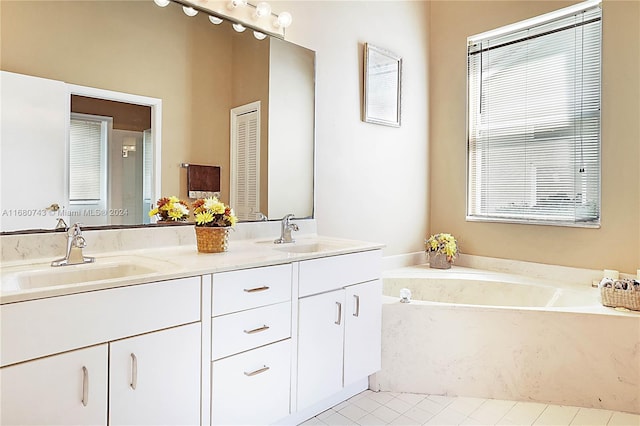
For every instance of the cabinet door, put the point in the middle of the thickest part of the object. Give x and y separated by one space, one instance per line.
155 378
363 330
69 389
320 345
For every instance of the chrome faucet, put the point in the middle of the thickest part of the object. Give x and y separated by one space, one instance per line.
75 244
285 230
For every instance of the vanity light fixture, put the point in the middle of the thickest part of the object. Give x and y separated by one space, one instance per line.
235 3
126 149
259 35
189 11
283 20
261 9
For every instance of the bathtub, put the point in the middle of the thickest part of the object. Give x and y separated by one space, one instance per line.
469 332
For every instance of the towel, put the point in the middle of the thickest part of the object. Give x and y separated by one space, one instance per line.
202 179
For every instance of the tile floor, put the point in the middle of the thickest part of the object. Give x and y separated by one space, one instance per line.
389 408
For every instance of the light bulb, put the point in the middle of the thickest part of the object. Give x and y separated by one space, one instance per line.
189 11
259 35
262 9
161 3
239 27
235 3
215 20
284 20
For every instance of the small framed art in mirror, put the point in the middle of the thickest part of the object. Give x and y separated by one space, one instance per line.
382 86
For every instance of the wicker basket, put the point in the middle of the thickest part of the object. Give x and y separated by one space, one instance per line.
438 260
212 239
618 298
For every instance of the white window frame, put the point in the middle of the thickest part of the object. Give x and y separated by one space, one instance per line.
106 125
534 215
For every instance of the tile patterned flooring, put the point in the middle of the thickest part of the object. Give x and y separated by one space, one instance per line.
410 409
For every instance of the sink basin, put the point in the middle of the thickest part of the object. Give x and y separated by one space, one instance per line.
103 269
314 247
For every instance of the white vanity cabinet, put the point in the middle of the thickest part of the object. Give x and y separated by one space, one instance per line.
339 324
251 345
155 378
69 389
72 359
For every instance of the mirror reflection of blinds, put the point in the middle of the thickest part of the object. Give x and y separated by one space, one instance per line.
85 159
247 179
534 123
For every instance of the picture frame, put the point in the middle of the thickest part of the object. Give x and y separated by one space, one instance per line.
382 86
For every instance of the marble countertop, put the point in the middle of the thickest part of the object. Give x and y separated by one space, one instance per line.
164 263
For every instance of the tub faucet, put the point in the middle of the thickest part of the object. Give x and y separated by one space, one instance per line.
75 244
285 230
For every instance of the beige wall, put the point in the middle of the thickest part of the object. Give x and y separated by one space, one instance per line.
616 244
371 180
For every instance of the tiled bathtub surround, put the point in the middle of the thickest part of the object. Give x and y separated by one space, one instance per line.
579 354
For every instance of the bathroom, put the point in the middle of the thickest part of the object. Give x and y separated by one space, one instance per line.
391 185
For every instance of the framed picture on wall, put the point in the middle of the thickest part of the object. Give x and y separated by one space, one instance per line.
382 86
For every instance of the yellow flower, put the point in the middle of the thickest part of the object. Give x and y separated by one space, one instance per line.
203 218
450 249
175 214
232 218
153 212
215 206
443 243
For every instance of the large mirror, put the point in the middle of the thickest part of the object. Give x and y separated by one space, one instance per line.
201 72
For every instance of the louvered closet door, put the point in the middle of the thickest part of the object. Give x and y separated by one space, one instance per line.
245 185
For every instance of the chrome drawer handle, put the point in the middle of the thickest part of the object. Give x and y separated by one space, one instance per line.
255 372
256 289
85 386
257 330
339 320
357 310
134 371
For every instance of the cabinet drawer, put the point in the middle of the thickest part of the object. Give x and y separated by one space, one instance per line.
331 273
252 388
246 330
250 288
47 326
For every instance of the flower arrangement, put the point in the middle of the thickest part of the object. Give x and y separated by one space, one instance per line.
442 243
170 208
212 212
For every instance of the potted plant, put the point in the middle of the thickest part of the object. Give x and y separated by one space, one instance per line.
170 209
442 250
213 221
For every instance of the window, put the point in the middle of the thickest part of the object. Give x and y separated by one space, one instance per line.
87 158
533 142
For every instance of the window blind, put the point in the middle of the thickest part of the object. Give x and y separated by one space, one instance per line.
85 159
534 123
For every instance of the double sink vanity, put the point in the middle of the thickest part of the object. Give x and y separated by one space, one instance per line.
264 333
